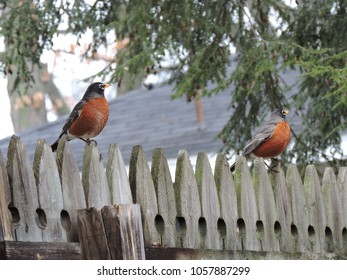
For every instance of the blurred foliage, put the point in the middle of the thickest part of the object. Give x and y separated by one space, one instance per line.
270 37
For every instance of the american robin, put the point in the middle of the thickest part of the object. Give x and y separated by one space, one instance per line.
88 117
271 139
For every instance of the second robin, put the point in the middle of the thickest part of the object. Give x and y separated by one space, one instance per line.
271 139
88 117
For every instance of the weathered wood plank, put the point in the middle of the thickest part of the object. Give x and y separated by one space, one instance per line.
228 204
300 223
117 177
123 227
92 235
342 186
266 207
49 194
201 254
188 203
334 212
94 180
6 229
316 209
143 192
163 184
283 210
209 201
18 250
24 193
247 206
71 185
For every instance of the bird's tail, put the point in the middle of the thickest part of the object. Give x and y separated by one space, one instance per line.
54 146
232 167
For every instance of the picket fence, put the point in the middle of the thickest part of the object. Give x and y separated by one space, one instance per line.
51 210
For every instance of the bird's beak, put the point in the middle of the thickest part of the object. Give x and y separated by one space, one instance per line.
106 85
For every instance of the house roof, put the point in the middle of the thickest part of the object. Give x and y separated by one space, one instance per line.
149 118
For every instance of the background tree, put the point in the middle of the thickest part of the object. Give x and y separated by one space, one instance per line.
269 36
28 80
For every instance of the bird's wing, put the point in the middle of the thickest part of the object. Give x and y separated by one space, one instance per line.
76 111
263 134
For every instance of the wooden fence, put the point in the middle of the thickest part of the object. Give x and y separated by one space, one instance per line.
51 210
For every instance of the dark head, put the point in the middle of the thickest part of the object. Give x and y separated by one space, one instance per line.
95 90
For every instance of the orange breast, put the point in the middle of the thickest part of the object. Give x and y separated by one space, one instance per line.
276 144
92 120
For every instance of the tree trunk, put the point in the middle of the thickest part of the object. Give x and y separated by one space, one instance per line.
28 107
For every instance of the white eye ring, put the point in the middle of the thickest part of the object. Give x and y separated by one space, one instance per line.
102 86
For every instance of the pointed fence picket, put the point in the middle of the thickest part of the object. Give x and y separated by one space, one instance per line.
102 213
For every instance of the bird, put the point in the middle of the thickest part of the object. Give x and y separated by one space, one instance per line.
270 140
88 117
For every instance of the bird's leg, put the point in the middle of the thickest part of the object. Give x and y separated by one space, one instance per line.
273 165
88 141
84 140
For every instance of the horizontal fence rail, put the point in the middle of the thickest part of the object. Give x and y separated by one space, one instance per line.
103 208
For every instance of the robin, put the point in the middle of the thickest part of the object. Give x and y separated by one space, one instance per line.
88 117
271 139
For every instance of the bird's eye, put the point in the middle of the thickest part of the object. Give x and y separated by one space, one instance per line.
284 112
102 86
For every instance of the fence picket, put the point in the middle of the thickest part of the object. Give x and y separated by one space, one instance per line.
117 177
24 194
266 207
283 210
188 203
49 193
299 208
334 211
228 204
247 206
71 185
342 186
6 229
316 209
210 208
166 198
94 180
143 192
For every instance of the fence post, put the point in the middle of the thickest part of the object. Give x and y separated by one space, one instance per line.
123 228
92 236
